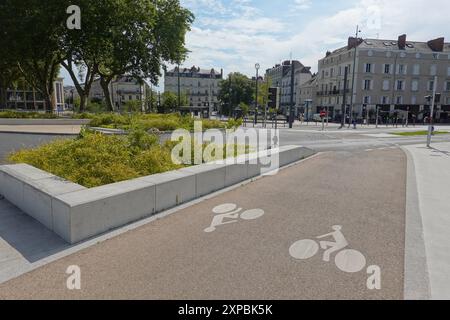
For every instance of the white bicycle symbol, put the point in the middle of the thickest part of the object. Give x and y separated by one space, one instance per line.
347 260
231 211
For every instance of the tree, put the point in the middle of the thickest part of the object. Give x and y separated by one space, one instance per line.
32 33
169 102
234 90
145 33
84 49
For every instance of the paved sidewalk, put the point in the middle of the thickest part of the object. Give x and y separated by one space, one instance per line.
432 169
42 129
177 257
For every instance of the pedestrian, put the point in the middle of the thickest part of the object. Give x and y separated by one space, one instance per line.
354 124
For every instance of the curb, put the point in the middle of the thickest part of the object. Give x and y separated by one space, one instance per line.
416 276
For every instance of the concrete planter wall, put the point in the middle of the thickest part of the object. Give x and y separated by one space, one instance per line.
43 122
76 213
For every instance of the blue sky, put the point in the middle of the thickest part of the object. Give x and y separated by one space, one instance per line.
235 34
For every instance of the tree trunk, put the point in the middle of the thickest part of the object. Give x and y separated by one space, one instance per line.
2 97
104 83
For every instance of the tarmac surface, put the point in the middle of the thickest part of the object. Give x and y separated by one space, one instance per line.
174 258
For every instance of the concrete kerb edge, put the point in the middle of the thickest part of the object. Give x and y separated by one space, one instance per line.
68 235
416 281
73 248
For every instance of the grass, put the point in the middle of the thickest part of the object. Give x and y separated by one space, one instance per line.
418 133
94 159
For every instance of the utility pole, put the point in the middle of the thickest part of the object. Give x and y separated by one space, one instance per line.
353 77
430 126
179 90
257 66
344 102
229 97
291 108
376 121
266 105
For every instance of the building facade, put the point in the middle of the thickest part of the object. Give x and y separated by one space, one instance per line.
24 97
307 97
201 86
391 75
280 76
122 90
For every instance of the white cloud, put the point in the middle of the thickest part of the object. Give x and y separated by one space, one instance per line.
248 35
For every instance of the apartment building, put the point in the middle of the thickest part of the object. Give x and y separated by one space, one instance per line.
393 75
280 76
24 97
201 86
122 90
307 97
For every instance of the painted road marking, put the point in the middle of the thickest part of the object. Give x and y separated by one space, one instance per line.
346 260
231 212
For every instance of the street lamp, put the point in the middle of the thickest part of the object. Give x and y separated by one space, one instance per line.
257 66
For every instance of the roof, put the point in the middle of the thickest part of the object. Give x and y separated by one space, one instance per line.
411 46
196 70
392 45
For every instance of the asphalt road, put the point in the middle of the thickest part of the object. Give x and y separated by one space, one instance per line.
174 258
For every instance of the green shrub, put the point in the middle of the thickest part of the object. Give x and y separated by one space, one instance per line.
95 159
11 114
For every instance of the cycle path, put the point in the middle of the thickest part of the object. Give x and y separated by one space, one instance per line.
174 258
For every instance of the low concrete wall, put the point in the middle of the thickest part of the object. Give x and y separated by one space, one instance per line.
43 122
76 213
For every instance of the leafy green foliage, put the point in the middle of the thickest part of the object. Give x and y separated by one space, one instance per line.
95 159
234 90
26 115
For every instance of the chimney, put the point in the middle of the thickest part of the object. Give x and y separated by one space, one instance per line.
353 42
436 44
402 42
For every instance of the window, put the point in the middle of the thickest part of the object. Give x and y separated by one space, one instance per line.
400 85
448 100
416 69
368 68
401 69
385 100
130 97
433 70
386 85
387 68
367 84
331 72
413 100
367 100
430 85
415 85
448 70
399 100
447 86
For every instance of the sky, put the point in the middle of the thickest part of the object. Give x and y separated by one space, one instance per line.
235 34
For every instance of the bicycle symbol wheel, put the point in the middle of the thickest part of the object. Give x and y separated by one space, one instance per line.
252 214
350 261
304 249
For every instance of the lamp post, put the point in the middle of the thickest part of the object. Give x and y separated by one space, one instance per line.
257 66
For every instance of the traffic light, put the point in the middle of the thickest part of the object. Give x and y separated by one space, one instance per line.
274 98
